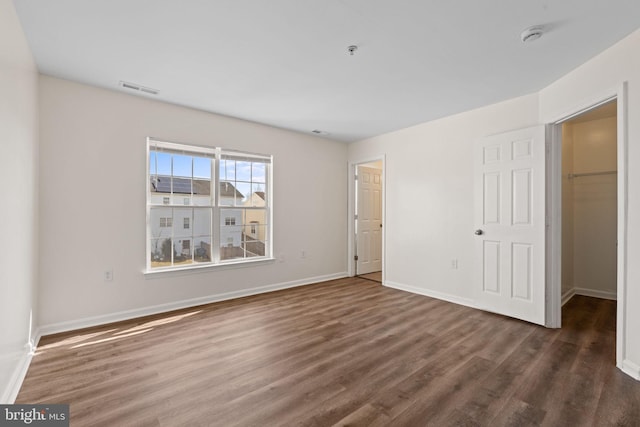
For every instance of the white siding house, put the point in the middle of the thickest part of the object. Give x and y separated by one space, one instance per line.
177 221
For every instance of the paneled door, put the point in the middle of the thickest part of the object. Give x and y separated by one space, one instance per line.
509 179
369 220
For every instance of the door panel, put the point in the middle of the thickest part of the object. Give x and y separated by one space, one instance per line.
491 260
509 176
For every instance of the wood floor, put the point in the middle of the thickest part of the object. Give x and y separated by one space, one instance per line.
345 352
375 276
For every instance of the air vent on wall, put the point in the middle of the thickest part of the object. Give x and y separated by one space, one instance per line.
133 86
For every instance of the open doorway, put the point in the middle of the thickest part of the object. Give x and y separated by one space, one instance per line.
589 204
576 263
367 220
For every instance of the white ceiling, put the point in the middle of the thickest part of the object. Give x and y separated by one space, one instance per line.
285 62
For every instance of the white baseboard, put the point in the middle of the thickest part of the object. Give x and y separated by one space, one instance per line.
177 305
631 369
433 294
588 293
568 295
12 389
596 294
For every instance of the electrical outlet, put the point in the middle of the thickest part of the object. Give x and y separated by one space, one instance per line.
303 254
108 275
454 264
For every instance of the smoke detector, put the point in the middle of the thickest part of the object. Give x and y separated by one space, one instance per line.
532 33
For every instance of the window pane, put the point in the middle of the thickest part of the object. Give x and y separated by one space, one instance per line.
182 251
244 192
181 218
231 234
202 249
159 176
243 233
258 196
201 181
160 252
156 252
227 170
253 247
228 193
181 187
243 171
163 163
258 172
182 166
152 163
202 168
201 200
202 222
160 222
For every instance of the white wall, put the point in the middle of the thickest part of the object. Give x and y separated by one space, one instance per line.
429 195
568 284
18 190
429 181
594 207
92 180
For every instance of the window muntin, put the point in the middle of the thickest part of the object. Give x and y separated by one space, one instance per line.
224 219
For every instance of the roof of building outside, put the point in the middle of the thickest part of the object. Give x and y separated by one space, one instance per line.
162 184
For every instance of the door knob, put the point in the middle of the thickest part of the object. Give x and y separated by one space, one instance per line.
478 232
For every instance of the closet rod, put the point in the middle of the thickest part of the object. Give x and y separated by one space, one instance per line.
578 175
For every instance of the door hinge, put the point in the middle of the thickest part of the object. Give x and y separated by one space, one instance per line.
355 177
355 257
355 216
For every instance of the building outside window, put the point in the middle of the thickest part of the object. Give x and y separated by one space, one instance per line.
222 197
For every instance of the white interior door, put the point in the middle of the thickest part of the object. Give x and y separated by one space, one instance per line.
369 220
509 215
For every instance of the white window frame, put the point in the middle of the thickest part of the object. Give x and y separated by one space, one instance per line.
215 153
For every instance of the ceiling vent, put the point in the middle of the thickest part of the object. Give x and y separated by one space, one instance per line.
320 132
133 86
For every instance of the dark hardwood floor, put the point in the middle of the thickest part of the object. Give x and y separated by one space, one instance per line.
345 352
375 276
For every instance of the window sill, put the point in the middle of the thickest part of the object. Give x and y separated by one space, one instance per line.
179 271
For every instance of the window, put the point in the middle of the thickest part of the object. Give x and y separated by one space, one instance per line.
222 197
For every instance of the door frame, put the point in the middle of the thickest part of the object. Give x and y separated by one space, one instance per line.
554 214
352 242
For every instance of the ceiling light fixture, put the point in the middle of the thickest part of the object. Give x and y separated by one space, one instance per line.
532 33
352 49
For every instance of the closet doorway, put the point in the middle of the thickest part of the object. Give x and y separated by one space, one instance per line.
589 204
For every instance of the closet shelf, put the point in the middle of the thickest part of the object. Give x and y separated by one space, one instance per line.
578 175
